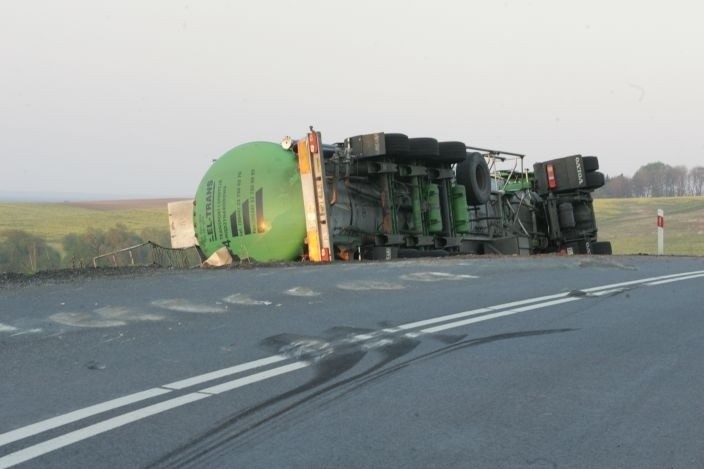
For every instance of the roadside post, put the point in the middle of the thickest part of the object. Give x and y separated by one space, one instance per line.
661 232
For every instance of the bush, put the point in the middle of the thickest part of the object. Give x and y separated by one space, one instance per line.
25 253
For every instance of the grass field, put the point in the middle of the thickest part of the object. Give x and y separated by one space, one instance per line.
628 223
52 221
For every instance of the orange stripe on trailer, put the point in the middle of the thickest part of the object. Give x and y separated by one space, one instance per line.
314 253
303 157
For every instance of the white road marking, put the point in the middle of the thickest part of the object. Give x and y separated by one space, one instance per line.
185 383
79 414
101 427
661 282
261 376
53 444
465 322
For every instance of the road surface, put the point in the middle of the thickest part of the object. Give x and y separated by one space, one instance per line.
454 362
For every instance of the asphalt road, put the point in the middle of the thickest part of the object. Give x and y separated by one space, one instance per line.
455 362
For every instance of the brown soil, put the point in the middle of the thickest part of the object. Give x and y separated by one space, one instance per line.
129 204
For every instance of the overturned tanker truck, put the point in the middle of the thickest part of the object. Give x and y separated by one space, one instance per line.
385 195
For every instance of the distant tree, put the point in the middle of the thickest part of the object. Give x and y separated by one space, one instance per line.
77 250
25 253
696 180
651 180
162 237
617 187
676 181
119 237
80 249
95 239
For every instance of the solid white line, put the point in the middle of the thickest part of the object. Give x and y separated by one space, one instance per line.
261 376
53 444
473 312
509 312
34 451
185 383
684 275
169 404
79 414
661 282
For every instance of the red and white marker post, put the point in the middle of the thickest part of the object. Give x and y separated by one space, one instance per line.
661 232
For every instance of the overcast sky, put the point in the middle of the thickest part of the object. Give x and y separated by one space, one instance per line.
136 98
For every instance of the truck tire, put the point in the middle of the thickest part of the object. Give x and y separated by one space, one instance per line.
423 149
473 174
595 180
396 144
591 163
601 248
452 152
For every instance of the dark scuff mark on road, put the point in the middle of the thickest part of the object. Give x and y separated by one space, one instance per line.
208 447
584 294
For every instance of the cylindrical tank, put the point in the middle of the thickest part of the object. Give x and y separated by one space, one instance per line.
459 209
434 214
250 200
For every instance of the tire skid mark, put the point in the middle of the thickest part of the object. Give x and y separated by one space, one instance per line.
207 448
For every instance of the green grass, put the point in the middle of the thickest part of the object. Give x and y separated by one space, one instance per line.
630 224
52 221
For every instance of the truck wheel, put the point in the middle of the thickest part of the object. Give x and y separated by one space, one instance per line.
595 180
423 149
591 163
473 174
396 144
452 152
601 248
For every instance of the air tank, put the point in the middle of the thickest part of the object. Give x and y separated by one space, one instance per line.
250 201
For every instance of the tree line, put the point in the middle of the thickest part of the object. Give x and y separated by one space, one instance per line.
24 252
656 180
